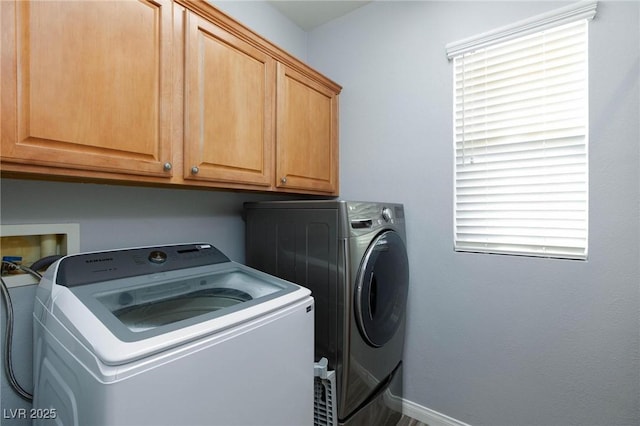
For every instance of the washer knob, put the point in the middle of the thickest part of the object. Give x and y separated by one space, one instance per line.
386 214
157 257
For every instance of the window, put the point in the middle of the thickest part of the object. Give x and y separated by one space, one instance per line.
521 137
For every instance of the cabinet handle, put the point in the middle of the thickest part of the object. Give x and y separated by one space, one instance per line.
283 180
195 170
167 166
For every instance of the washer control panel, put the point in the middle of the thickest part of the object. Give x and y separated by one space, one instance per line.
88 268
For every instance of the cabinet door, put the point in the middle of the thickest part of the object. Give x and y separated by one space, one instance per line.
307 134
230 103
87 85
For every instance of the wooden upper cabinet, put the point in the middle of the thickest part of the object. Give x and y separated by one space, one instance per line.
229 91
160 91
87 85
307 133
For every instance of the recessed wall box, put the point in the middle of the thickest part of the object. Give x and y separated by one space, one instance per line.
31 242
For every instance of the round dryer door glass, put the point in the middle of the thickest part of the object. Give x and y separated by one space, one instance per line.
381 289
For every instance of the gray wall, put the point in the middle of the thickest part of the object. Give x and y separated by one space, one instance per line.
496 340
267 21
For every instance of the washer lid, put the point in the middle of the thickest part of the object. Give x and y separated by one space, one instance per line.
381 288
148 300
125 320
140 307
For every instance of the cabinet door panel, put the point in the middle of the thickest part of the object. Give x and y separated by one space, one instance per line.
230 104
87 85
307 133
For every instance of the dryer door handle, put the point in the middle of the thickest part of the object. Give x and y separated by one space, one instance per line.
361 224
372 297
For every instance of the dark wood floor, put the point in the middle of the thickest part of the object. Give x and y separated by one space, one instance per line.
408 421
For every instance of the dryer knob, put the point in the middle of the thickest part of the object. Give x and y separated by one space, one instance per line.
386 214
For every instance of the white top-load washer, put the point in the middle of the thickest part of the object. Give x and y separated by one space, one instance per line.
170 335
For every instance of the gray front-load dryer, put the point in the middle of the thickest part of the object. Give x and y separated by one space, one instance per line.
352 256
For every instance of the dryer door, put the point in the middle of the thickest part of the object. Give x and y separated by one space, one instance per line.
381 290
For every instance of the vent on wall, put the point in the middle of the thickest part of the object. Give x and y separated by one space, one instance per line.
27 243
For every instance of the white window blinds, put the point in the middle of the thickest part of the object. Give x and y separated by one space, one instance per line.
521 132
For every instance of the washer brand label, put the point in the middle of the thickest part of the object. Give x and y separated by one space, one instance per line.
101 259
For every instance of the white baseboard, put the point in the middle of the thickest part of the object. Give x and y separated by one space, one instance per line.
428 416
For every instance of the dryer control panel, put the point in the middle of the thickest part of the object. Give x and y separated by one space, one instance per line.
88 268
366 217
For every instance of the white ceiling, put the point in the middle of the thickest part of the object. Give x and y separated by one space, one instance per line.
308 14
